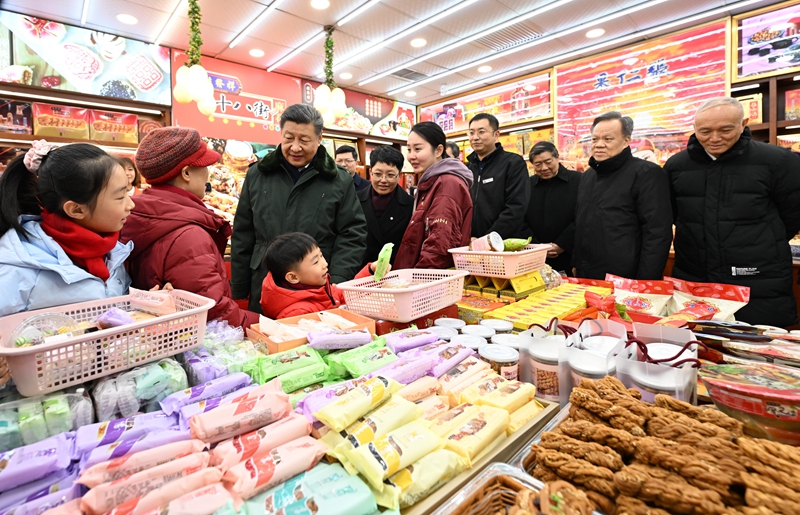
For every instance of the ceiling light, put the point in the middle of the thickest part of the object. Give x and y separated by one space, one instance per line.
357 12
257 52
320 4
796 78
743 88
178 8
411 93
127 19
85 12
418 43
595 33
345 76
485 69
238 39
296 51
630 61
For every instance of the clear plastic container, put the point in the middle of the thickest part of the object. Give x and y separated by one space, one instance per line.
503 360
499 326
478 330
469 341
454 323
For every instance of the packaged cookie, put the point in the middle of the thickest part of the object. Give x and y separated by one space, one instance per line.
128 446
35 461
162 496
482 388
509 396
203 501
216 388
421 388
476 432
417 481
357 403
433 406
523 415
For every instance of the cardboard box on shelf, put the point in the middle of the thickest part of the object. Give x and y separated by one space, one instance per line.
520 287
752 105
16 117
385 326
111 126
60 121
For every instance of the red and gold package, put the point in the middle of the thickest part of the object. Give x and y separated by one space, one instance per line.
60 121
642 296
719 300
110 126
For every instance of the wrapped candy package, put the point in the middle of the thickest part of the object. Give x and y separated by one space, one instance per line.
167 493
340 339
405 370
187 412
105 433
215 388
35 461
318 399
357 403
128 446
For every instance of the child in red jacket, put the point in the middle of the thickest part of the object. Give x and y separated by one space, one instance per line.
298 280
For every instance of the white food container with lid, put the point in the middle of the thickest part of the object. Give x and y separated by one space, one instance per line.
478 330
453 323
658 351
600 345
544 369
503 360
651 382
469 341
443 332
583 366
499 326
510 340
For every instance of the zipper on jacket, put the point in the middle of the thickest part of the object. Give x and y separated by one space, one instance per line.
426 224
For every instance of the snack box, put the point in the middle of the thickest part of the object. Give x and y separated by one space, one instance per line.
254 333
60 121
111 126
472 308
386 326
16 117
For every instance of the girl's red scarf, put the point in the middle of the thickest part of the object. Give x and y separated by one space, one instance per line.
86 248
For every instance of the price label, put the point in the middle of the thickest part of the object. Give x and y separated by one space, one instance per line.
779 410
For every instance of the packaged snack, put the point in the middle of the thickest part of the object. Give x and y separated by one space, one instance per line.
156 303
461 371
523 415
60 121
32 462
105 433
515 244
347 496
220 369
114 317
482 388
187 412
400 448
406 370
264 405
687 314
335 320
127 463
302 377
449 357
32 425
318 399
365 359
721 300
297 395
105 398
445 422
426 349
419 389
259 474
277 364
407 340
130 446
215 388
336 371
419 480
72 507
56 482
489 242
455 391
51 500
110 126
357 403
260 442
642 296
104 497
153 499
297 487
472 434
203 501
433 406
10 436
339 339
177 375
509 396
382 263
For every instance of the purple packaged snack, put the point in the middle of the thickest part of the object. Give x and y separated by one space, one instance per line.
407 370
114 317
432 348
31 462
317 400
149 440
55 482
216 388
44 503
345 339
198 370
449 357
407 340
90 437
220 369
191 410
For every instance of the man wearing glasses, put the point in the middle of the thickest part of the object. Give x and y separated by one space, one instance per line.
347 158
387 208
551 211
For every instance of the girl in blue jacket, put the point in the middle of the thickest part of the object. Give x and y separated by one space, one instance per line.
61 210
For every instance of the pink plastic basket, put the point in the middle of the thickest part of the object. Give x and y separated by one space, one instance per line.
506 265
48 367
431 291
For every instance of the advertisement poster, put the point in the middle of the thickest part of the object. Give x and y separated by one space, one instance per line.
522 100
54 55
766 42
249 102
369 115
659 83
518 143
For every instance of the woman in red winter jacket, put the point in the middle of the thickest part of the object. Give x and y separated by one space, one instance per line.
442 217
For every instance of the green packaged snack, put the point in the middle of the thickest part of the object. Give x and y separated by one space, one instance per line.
336 371
515 244
297 395
32 426
302 377
177 376
57 416
10 436
151 381
367 358
382 264
278 364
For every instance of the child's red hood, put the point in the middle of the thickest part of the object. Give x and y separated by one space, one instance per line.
276 300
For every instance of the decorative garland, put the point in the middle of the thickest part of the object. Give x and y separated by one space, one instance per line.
195 41
328 57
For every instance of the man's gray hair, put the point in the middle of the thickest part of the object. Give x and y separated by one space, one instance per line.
626 121
303 114
722 101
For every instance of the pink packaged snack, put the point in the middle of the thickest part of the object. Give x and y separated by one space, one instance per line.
216 388
257 475
132 463
205 501
42 504
106 496
156 303
427 349
433 406
344 339
105 433
154 499
420 389
407 340
31 462
317 400
187 412
130 446
264 405
461 371
256 443
72 507
57 481
407 370
449 357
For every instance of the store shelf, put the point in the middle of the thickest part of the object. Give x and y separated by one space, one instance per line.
759 126
24 140
782 124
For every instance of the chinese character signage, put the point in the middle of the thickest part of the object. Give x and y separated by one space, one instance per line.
766 42
521 100
38 52
249 102
659 83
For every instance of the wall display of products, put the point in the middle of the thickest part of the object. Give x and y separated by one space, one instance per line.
766 42
249 101
659 83
367 114
792 109
16 117
753 107
521 100
59 56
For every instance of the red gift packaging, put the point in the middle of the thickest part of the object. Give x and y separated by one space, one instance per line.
110 126
60 121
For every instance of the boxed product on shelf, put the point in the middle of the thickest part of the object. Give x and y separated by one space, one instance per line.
792 106
752 105
111 126
60 121
472 308
16 117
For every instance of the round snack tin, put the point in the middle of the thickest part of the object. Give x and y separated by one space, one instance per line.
478 330
491 241
651 383
544 364
443 332
499 326
503 360
469 341
584 367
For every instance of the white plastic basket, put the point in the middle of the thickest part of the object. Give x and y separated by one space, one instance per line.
431 291
506 265
48 367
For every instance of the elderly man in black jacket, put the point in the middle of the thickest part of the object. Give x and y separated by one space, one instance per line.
736 204
623 221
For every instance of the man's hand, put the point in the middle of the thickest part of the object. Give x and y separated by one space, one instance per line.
372 268
554 251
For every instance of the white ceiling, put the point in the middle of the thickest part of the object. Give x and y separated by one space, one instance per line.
296 21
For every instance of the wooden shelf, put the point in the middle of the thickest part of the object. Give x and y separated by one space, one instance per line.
782 124
759 126
24 140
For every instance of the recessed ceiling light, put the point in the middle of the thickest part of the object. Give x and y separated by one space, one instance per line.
411 93
419 42
345 76
630 61
127 19
595 33
320 4
257 52
485 69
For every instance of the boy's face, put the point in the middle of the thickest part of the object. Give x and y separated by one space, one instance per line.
312 271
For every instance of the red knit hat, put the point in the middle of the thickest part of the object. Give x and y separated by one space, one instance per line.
164 152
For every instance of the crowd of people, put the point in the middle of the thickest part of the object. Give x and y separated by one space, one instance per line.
305 221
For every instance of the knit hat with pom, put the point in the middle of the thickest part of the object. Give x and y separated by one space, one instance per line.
165 152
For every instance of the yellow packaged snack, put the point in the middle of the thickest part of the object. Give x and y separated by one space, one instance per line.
454 394
386 456
357 403
421 388
509 396
481 388
524 415
433 406
479 431
442 424
417 481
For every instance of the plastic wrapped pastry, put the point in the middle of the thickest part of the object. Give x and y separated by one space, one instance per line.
215 388
57 481
318 399
365 359
407 340
10 436
462 372
105 433
187 412
122 448
43 504
523 415
482 388
157 303
445 422
35 461
357 403
153 499
32 425
302 377
407 370
476 432
509 396
275 365
72 507
341 339
419 389
204 501
433 406
414 483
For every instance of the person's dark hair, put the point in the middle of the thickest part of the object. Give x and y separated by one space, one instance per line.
387 155
453 146
303 114
76 172
626 121
137 177
286 252
541 147
493 123
347 149
432 133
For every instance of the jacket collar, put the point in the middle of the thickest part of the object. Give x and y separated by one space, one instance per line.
322 162
563 174
473 158
612 164
445 167
375 226
697 152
